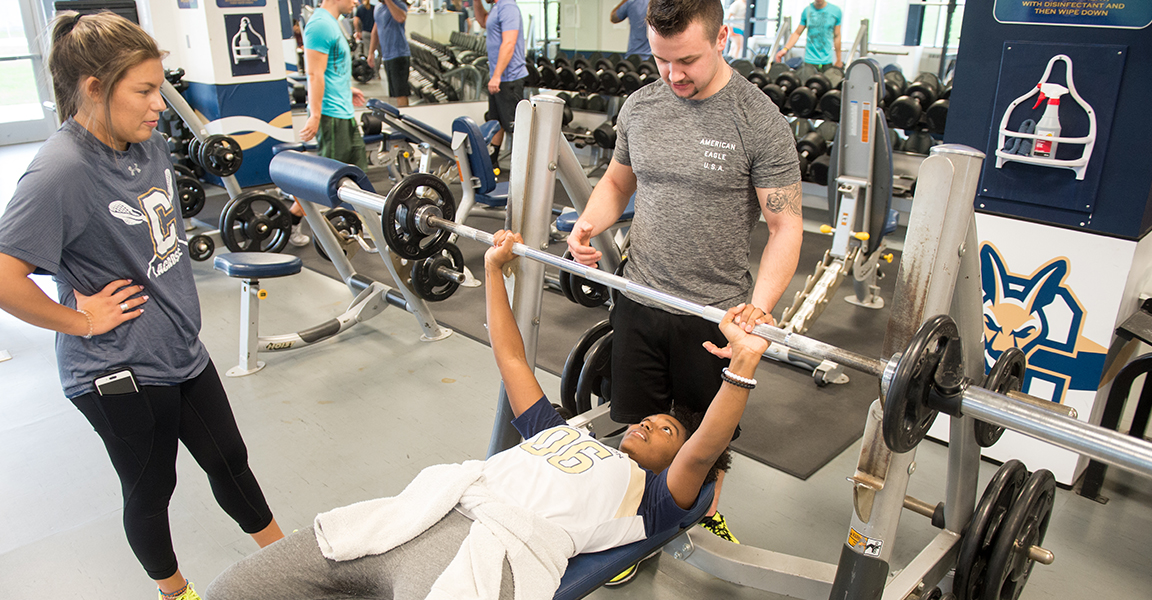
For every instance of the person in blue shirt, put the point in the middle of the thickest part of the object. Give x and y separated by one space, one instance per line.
331 97
388 35
506 68
635 11
823 46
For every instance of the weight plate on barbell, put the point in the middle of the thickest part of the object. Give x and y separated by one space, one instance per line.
979 535
346 224
570 375
1024 526
398 219
595 375
200 247
428 282
933 354
580 290
191 195
1006 375
255 221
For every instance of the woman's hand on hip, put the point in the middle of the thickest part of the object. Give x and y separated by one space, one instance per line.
112 305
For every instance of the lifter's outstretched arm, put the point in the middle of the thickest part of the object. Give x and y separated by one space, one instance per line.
691 465
507 343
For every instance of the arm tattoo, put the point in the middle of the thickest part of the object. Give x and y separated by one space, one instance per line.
784 199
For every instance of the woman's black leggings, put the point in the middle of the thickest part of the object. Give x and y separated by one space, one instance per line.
141 431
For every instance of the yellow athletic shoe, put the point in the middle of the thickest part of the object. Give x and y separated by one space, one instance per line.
624 577
717 525
187 594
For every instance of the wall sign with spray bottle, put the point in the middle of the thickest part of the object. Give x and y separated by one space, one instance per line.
1045 137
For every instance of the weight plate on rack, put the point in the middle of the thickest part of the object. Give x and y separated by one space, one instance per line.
415 192
1007 375
255 221
220 155
427 279
201 247
980 534
933 359
346 224
570 376
1024 526
580 290
191 195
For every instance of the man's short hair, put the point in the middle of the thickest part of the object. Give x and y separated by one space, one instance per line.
672 17
691 421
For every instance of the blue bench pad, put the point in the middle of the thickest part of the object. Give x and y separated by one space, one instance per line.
257 265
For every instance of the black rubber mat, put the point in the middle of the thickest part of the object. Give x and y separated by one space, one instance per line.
790 423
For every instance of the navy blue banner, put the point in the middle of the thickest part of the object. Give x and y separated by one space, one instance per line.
1075 13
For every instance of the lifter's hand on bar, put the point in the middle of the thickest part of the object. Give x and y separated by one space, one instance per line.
752 316
500 253
739 340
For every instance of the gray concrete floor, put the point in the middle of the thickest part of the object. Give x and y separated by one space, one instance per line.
357 417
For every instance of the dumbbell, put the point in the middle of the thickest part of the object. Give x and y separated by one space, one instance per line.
597 103
804 100
605 135
809 148
905 111
937 112
894 85
919 142
757 77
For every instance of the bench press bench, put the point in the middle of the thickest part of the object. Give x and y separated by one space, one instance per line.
586 572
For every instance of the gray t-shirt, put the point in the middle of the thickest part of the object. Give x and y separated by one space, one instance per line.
89 215
698 164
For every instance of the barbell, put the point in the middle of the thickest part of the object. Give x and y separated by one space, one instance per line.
916 384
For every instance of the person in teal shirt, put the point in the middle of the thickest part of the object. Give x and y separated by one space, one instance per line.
331 97
823 46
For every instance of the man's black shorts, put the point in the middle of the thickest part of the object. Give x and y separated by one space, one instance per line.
502 106
396 74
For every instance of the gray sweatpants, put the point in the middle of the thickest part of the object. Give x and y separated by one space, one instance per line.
294 568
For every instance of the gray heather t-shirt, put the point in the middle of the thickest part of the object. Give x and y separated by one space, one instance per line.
89 215
698 164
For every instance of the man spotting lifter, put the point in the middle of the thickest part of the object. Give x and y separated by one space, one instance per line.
487 528
707 154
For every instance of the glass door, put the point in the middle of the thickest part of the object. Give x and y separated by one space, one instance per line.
23 69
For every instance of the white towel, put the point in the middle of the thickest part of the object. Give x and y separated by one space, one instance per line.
537 550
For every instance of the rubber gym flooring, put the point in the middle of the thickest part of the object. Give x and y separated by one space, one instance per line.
356 418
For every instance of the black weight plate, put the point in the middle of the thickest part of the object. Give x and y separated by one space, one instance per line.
533 79
979 535
588 80
597 103
937 115
1006 375
565 281
605 135
819 84
399 216
570 376
603 64
758 78
624 66
220 155
561 61
1023 527
346 223
818 170
932 354
191 195
904 112
580 64
595 374
200 248
788 80
648 68
630 82
579 102
371 124
427 281
742 66
183 171
582 291
255 221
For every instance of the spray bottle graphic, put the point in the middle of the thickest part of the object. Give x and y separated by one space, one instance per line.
1049 125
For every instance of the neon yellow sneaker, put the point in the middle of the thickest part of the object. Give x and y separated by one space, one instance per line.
624 577
717 525
187 594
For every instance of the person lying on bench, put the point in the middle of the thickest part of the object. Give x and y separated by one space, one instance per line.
505 527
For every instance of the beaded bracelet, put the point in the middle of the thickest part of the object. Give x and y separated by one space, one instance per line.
88 317
737 380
